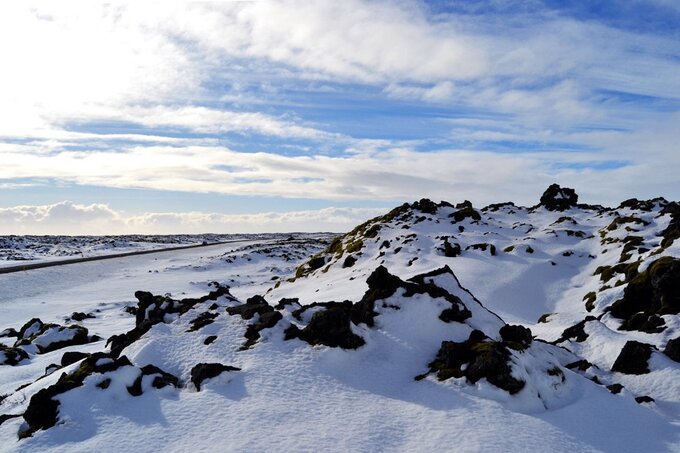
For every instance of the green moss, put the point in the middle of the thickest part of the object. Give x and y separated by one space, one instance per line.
336 246
625 219
605 273
589 299
372 231
484 347
354 246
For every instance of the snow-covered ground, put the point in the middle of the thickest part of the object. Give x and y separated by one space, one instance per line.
418 358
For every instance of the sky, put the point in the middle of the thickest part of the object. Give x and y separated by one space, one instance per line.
314 116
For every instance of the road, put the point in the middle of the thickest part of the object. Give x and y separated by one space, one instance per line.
42 264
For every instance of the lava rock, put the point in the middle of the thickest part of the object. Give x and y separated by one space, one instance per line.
426 206
483 358
72 357
672 349
615 388
254 305
634 358
265 321
516 337
557 198
451 251
202 320
203 371
330 327
11 356
31 328
654 291
576 331
349 261
9 333
43 410
80 316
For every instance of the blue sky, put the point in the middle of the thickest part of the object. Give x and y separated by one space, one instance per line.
315 115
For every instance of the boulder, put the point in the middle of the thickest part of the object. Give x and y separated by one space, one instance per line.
672 349
557 198
634 358
203 371
516 337
476 358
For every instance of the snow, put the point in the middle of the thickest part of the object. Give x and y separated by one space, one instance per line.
291 396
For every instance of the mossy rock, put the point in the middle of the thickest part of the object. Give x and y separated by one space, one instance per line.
589 299
654 291
483 247
466 211
557 198
482 357
672 349
624 220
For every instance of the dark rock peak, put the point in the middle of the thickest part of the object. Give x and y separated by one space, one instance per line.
557 198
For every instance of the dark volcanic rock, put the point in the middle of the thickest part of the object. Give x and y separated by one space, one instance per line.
426 206
266 321
615 388
516 337
654 291
557 198
330 327
633 358
465 211
8 333
202 320
254 305
644 399
203 371
672 349
31 328
483 358
672 231
152 309
349 261
72 357
80 316
43 410
576 331
450 251
11 356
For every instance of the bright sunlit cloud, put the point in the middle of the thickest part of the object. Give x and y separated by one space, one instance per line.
306 104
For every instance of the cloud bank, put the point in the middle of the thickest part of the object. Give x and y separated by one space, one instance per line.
98 219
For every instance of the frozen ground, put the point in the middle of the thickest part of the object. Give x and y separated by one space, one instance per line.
373 374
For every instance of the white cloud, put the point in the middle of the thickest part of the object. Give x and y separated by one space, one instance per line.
540 80
74 219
